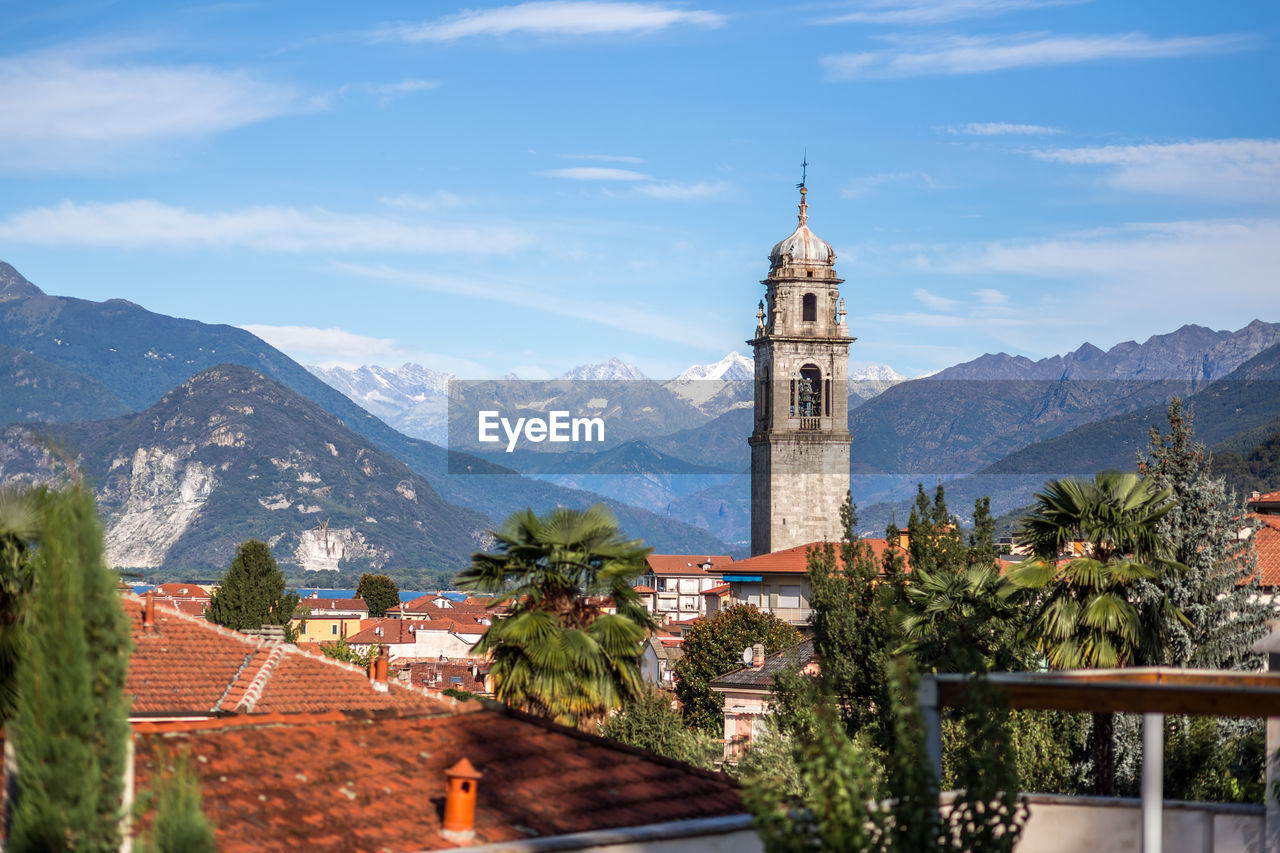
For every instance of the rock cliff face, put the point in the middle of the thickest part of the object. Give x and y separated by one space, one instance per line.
231 455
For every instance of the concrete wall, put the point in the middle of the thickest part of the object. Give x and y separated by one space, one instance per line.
1114 825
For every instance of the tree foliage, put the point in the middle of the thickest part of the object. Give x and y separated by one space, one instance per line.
557 654
649 722
1089 612
179 824
379 592
252 591
18 530
713 647
340 649
841 803
1218 592
71 724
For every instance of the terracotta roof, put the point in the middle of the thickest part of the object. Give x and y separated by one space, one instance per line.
644 590
360 782
687 564
1266 540
187 666
441 674
762 678
180 590
717 590
319 606
403 630
796 559
1269 501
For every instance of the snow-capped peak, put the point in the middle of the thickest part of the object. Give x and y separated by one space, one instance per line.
733 366
612 369
877 373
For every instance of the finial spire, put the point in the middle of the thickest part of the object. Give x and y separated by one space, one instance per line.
804 170
804 176
804 207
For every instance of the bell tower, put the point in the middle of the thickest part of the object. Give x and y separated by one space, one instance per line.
800 444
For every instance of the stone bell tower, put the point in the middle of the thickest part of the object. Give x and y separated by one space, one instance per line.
800 444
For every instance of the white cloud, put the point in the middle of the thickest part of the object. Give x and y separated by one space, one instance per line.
861 186
388 92
1230 169
1001 128
937 11
611 313
673 191
604 158
69 111
553 17
595 173
932 301
977 54
337 347
1214 272
266 228
438 200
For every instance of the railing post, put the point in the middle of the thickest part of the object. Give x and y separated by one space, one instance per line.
1152 782
931 714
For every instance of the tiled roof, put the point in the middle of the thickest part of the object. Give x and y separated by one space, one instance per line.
687 564
644 590
440 674
360 782
319 606
796 559
717 590
1269 501
181 590
797 656
187 666
1266 539
396 631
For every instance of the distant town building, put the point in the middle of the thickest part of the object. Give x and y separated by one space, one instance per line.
672 585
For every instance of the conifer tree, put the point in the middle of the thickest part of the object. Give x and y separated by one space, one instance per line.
72 719
379 592
252 591
179 825
1224 615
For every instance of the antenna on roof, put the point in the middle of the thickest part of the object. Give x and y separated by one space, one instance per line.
804 170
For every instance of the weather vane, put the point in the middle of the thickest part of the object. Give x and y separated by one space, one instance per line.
804 170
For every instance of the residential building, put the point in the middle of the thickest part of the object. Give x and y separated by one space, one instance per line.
748 692
678 581
323 620
420 639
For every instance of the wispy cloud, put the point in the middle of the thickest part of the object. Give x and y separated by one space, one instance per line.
1002 128
595 173
952 55
603 158
553 18
937 11
1240 169
932 301
337 347
148 223
1153 270
610 313
675 191
73 110
866 184
388 92
438 200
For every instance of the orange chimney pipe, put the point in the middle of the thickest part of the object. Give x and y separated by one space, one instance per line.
149 611
460 801
378 669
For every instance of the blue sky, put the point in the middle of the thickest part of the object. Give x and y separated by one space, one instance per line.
531 186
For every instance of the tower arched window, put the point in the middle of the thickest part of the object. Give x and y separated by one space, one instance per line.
809 308
809 396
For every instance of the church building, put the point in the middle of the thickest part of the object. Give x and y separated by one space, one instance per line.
800 443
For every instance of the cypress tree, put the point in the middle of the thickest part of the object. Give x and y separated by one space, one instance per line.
180 826
252 591
1223 613
72 719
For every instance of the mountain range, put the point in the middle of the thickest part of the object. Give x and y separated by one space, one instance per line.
90 375
139 356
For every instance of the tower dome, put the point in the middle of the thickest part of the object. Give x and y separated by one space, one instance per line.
803 247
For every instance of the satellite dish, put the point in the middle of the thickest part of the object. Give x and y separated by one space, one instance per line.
746 656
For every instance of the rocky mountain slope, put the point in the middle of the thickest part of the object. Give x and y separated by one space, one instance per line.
139 356
35 390
231 455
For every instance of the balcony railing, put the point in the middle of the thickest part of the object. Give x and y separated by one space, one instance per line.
810 424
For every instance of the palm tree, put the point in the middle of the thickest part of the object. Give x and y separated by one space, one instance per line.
557 653
1088 615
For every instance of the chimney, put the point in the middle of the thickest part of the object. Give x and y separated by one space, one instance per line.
757 656
460 801
149 612
380 669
